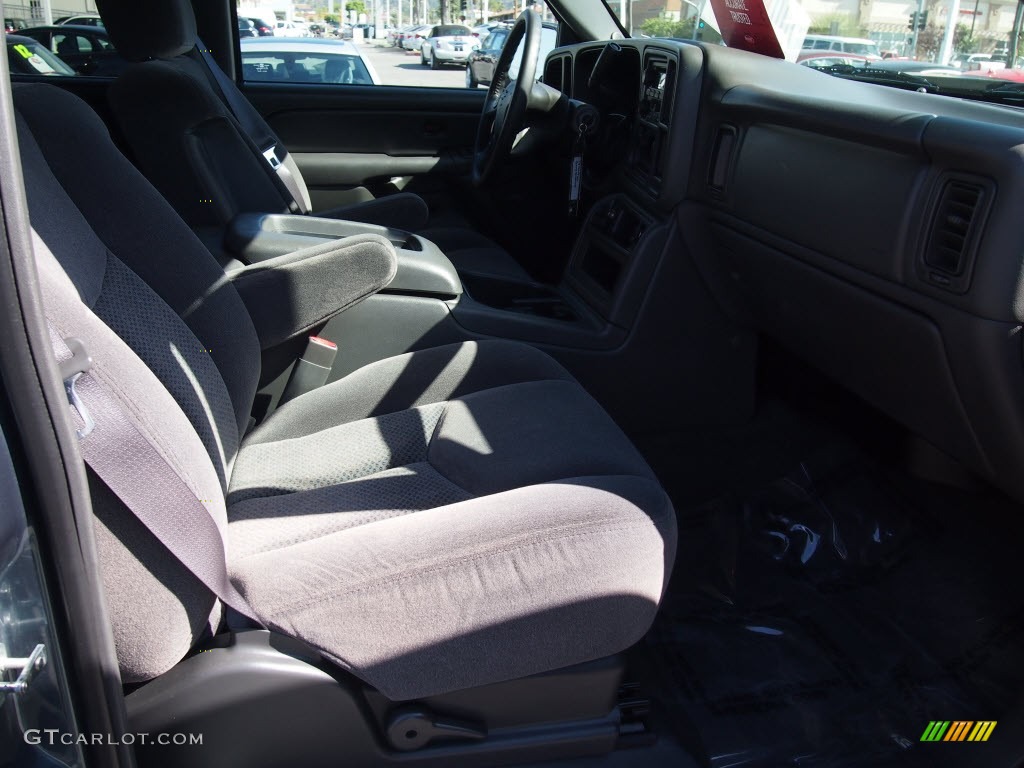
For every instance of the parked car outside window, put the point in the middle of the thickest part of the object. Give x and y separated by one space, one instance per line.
313 61
26 56
86 49
447 44
481 62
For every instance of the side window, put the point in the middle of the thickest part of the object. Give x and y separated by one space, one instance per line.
263 67
821 45
362 53
71 45
343 68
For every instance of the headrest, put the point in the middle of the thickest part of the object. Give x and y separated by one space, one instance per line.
158 29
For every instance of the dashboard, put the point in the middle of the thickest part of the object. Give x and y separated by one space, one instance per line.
873 231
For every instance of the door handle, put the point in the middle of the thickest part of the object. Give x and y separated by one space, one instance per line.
434 128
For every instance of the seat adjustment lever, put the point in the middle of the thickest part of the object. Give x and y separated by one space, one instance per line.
410 728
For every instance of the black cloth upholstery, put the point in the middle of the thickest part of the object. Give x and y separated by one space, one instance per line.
152 31
200 142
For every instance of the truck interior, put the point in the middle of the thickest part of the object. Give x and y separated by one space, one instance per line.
662 405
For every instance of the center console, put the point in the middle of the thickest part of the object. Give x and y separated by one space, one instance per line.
591 310
422 267
612 262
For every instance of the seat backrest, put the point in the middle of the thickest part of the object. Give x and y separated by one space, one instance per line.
180 126
338 70
66 46
168 334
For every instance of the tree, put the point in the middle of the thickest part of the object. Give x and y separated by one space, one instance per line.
836 24
929 41
963 41
356 5
664 26
331 18
495 6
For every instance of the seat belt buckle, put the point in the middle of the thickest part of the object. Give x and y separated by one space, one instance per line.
270 155
71 370
312 369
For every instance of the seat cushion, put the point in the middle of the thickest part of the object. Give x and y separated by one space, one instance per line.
454 517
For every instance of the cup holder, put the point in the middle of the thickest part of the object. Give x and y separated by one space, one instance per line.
520 298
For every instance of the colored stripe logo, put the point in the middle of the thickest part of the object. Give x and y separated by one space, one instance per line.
958 730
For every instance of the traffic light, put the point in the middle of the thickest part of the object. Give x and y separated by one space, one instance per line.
913 21
922 19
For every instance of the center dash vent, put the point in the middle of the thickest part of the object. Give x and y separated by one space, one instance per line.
558 74
954 235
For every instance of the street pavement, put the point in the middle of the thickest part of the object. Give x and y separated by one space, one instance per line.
398 67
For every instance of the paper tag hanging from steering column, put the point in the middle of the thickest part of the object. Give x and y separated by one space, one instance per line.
576 172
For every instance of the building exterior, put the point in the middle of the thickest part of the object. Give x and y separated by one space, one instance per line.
990 20
33 12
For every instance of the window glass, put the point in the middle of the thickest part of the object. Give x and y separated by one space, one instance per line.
32 58
451 30
305 68
861 49
70 45
398 50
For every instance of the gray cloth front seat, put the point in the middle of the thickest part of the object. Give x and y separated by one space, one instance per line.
432 522
200 142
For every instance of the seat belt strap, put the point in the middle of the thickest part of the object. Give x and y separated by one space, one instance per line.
286 177
245 115
124 458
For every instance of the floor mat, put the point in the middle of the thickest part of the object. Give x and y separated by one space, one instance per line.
829 617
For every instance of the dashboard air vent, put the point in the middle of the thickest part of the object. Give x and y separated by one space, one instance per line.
553 74
954 234
670 92
951 232
558 74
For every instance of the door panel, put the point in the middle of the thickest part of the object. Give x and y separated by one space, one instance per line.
343 136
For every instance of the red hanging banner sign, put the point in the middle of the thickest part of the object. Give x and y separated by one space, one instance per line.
745 24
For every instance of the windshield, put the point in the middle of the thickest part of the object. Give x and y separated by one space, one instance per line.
977 58
451 31
690 22
27 57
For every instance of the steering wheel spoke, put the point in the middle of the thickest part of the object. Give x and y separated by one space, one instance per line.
504 111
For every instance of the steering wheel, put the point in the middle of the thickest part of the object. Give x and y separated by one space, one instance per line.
505 106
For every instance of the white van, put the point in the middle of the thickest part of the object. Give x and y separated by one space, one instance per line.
859 46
